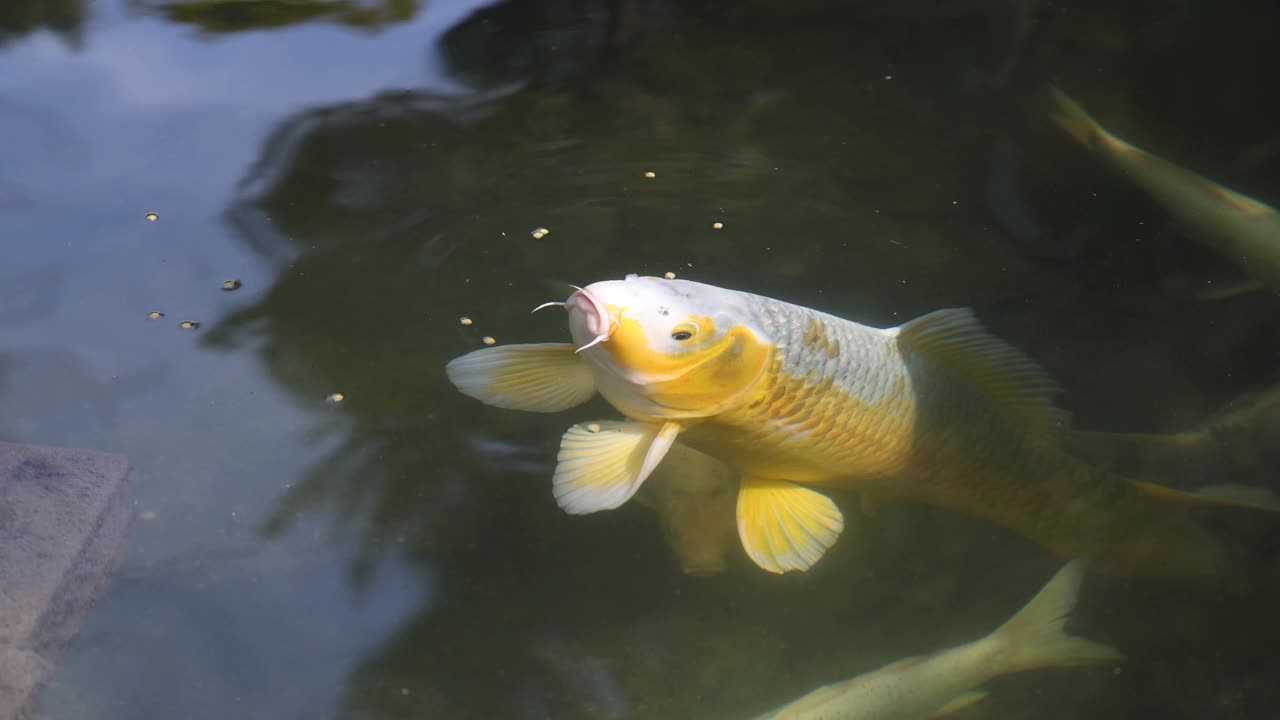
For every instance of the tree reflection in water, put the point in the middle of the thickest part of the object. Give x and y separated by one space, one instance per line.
64 17
389 218
228 16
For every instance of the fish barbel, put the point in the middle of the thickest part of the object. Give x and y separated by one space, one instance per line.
798 402
937 684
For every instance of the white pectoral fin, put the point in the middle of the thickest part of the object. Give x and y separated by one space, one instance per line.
658 449
602 464
543 377
785 526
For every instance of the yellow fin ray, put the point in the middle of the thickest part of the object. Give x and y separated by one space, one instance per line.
961 702
602 464
541 377
784 526
955 338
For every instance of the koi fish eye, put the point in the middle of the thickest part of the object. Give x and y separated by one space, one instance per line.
684 332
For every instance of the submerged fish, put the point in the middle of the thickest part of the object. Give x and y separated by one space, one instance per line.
1237 445
796 401
1240 228
942 682
693 495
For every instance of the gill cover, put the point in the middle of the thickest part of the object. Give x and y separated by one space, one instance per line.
676 349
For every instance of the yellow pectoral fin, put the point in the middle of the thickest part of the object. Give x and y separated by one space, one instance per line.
785 526
543 377
602 464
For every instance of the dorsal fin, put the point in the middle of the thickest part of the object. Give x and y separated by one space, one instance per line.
1017 384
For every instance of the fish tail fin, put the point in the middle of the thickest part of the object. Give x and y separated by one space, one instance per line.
1159 442
1221 532
1132 451
1078 123
1035 636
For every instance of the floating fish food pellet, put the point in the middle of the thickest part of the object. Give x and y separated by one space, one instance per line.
487 340
152 217
539 233
333 398
188 325
464 320
670 276
230 284
717 225
651 174
155 315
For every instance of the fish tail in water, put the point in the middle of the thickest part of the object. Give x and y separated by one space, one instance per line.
1130 452
1214 534
1035 637
1139 441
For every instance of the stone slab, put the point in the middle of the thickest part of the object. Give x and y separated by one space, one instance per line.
63 523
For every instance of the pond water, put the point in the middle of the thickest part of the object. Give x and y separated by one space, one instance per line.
372 171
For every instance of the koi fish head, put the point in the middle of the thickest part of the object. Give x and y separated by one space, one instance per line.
668 348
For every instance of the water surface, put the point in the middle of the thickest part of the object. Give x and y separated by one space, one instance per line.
371 172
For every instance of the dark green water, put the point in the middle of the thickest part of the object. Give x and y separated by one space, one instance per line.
371 172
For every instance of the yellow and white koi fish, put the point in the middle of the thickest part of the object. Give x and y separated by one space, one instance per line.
942 682
794 400
1240 228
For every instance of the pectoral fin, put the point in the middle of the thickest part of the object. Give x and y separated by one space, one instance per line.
961 702
543 377
602 464
784 526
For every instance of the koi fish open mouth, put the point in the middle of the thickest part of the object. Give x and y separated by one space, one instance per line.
587 317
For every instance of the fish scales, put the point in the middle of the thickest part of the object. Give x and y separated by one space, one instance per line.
832 400
843 404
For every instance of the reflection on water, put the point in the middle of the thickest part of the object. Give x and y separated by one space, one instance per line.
64 17
219 16
398 553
